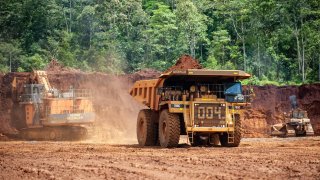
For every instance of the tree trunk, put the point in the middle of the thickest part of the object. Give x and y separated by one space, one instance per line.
243 47
303 45
65 19
192 46
90 35
298 51
259 60
70 16
296 34
303 60
10 61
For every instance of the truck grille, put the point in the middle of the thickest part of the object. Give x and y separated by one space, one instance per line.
209 114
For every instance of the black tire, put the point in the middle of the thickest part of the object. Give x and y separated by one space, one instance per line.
237 132
169 129
224 139
146 134
197 141
237 135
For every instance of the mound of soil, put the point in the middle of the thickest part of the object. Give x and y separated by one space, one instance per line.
185 62
56 66
142 74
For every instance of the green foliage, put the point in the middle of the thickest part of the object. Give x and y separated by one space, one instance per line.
276 41
162 34
32 63
10 56
254 80
192 26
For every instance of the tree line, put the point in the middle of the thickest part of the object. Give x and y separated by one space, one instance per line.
276 41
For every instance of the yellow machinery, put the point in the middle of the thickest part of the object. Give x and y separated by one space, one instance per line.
50 114
297 124
206 105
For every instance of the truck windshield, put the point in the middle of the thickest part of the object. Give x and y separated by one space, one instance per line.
233 88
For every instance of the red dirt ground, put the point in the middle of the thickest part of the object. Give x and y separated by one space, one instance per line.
256 158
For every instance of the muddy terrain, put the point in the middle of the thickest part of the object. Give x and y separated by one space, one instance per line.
263 158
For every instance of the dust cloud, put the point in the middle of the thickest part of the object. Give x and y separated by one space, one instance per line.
116 113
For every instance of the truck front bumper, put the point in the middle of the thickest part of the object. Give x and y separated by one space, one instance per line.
210 129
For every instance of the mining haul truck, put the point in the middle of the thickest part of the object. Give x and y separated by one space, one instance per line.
49 114
297 124
205 105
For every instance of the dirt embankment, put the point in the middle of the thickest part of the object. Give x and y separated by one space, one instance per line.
271 102
6 103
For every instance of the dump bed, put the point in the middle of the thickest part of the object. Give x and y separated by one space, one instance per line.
145 91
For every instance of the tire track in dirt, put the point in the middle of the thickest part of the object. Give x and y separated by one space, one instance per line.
255 158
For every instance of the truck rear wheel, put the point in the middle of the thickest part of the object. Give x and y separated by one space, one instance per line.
146 132
169 129
237 135
199 140
195 141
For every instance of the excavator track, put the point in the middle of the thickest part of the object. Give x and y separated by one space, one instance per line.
60 133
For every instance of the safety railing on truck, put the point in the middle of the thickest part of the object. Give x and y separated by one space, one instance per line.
248 93
68 109
31 98
220 91
76 93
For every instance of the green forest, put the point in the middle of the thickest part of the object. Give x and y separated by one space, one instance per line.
276 41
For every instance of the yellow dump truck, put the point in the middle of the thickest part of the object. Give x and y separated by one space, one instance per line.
204 104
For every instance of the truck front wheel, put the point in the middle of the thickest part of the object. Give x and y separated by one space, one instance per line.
146 128
237 135
169 129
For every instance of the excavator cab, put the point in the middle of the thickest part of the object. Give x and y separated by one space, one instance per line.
299 114
32 93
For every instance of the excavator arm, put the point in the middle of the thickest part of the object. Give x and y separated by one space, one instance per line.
40 77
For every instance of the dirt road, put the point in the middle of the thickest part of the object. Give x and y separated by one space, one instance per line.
273 158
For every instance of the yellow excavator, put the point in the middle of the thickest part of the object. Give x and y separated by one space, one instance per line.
50 114
297 124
